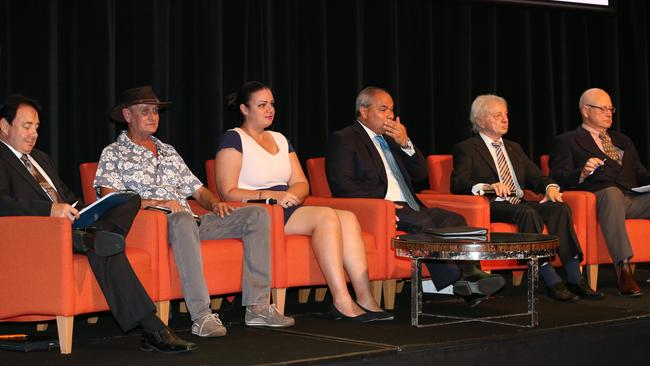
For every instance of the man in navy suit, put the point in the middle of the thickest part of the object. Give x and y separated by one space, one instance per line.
596 159
30 186
375 158
487 162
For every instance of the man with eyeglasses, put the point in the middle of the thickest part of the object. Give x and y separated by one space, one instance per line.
140 162
596 159
489 164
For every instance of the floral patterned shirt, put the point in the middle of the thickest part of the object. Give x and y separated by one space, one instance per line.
126 165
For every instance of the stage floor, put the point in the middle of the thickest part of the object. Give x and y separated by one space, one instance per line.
614 329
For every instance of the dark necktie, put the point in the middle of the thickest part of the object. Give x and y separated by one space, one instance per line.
504 172
392 164
609 148
51 192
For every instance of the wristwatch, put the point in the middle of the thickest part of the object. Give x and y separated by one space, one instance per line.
408 146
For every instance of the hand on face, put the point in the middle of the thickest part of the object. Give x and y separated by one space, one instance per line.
396 130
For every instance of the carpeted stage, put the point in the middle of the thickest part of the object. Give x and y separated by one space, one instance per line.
614 330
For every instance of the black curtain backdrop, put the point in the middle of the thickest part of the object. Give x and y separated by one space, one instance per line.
433 56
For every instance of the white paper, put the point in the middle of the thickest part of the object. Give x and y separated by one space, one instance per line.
642 189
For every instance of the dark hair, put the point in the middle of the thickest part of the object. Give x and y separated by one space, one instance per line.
10 106
243 96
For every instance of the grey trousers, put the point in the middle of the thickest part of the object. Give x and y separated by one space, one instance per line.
251 224
614 207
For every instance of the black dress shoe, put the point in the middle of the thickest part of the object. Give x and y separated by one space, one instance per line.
474 300
363 318
165 341
584 291
559 292
101 242
379 315
479 283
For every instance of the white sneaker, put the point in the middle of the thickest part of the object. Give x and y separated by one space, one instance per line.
209 326
269 316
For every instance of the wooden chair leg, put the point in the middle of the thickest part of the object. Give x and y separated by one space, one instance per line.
303 295
162 310
399 287
182 307
64 326
632 267
320 293
215 304
517 276
375 288
389 294
592 276
279 295
42 327
92 320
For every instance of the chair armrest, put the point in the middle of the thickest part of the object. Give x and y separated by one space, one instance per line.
36 266
475 209
584 215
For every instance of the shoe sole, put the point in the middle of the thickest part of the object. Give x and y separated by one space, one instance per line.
211 335
108 244
485 286
150 348
254 324
638 294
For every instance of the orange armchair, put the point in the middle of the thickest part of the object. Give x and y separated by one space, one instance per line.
42 279
222 259
294 263
596 251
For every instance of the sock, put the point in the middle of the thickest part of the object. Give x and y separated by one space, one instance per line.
151 323
551 278
572 269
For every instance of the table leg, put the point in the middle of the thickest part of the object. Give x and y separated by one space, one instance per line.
533 279
416 292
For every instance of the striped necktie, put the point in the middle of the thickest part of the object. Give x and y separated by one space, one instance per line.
504 173
47 187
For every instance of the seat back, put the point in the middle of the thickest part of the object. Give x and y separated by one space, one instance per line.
211 177
318 178
87 172
439 167
543 164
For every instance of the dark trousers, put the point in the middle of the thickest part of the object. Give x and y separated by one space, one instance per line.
530 217
411 221
127 299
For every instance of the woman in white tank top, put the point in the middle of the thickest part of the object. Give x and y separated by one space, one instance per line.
253 163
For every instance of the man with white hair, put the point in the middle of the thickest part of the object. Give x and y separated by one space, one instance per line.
487 162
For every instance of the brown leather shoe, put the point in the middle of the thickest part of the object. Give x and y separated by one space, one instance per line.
627 286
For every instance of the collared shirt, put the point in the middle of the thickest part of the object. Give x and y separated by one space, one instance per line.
477 189
127 165
393 193
595 135
34 164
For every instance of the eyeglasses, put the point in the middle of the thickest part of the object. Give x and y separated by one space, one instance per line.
603 109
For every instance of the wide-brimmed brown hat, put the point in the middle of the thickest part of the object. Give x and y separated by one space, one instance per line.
139 95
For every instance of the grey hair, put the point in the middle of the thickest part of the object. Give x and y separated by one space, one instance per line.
479 108
364 98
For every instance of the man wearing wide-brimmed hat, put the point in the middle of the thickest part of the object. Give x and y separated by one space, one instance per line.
141 162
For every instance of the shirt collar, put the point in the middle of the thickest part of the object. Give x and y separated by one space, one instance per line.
370 132
591 130
16 152
123 138
488 141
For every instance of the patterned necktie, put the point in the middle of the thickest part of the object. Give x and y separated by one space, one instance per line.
609 148
51 192
504 172
392 164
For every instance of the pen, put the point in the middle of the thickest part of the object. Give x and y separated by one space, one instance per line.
75 203
598 167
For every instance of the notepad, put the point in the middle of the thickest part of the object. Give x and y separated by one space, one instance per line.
91 213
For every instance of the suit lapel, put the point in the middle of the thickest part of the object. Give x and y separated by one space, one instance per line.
482 151
14 163
516 162
362 135
587 142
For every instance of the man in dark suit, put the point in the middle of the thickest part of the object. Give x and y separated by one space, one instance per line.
374 158
591 158
487 162
30 186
